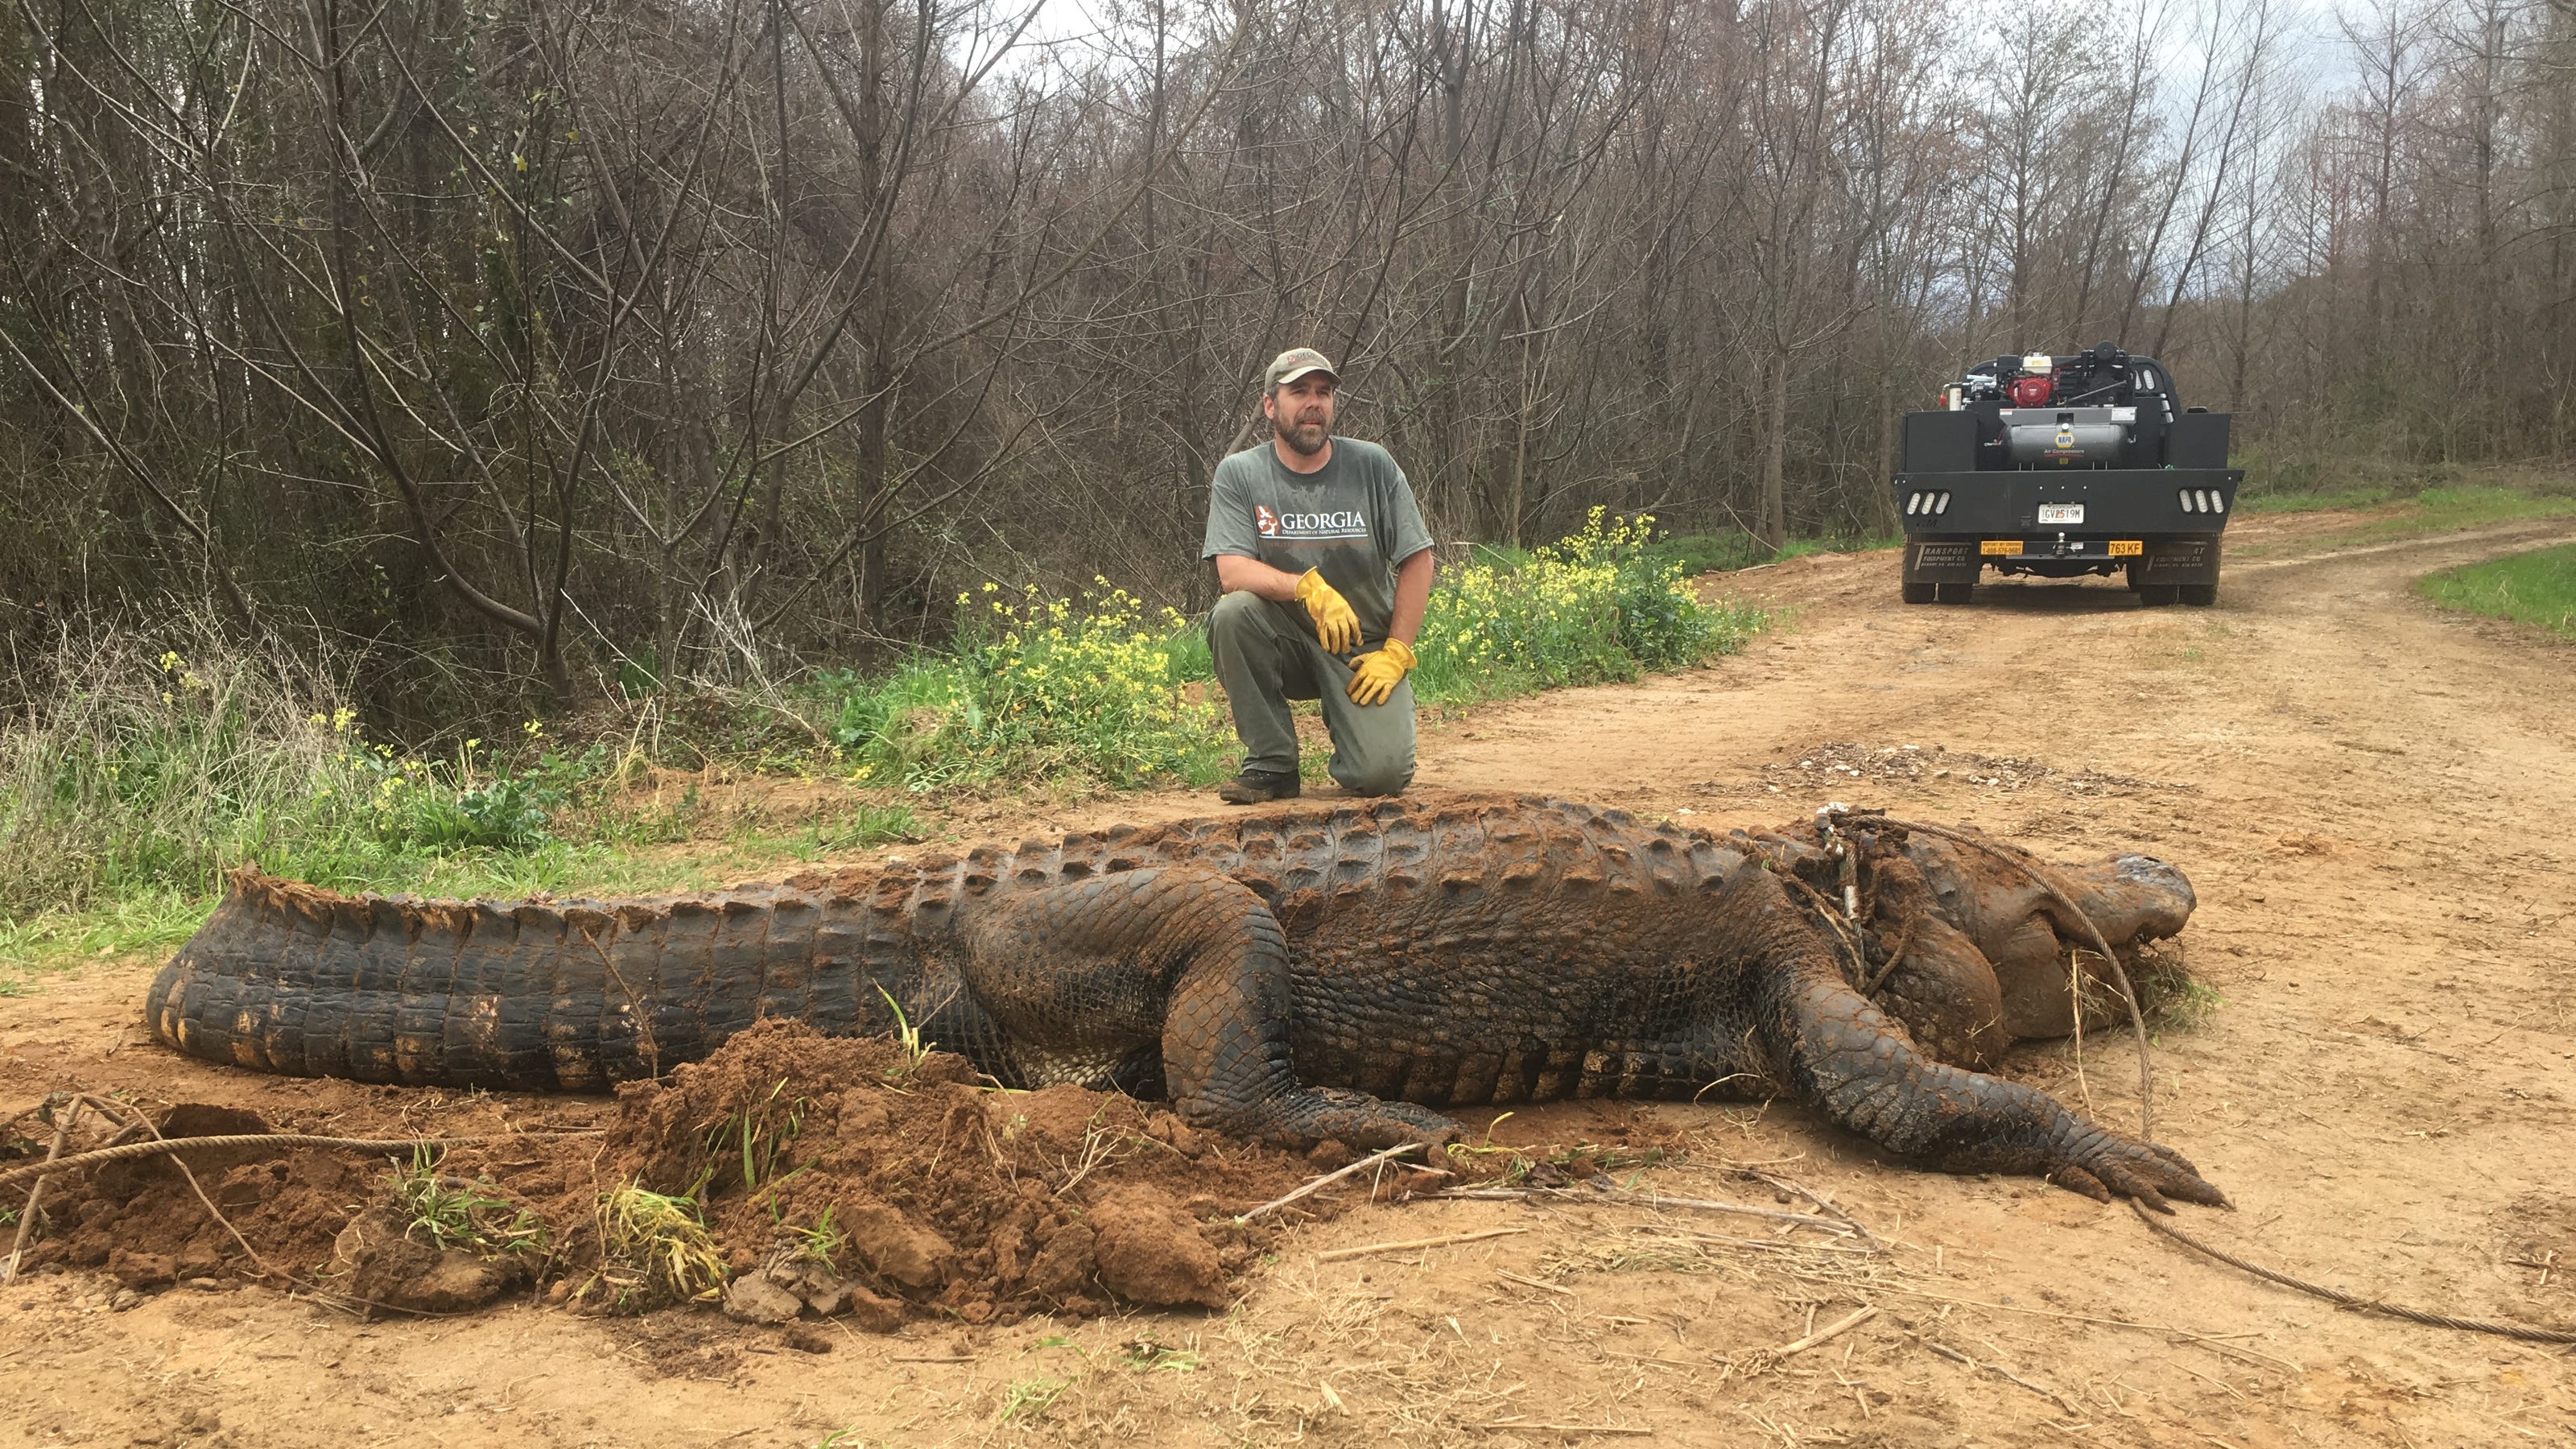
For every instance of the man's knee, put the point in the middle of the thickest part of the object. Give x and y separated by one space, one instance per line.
1377 777
1235 613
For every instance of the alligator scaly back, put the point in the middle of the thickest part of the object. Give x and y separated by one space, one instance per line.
1292 974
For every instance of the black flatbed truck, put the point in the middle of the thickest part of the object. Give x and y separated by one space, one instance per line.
2062 466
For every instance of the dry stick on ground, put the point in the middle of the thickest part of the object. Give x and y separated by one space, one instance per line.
1838 1326
1444 1240
1506 1273
36 1194
1782 1184
2359 1304
1771 1245
1327 1179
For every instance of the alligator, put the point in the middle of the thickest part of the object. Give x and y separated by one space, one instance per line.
1294 974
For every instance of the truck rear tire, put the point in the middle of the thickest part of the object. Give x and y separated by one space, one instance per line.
2157 596
2199 595
1915 593
1953 593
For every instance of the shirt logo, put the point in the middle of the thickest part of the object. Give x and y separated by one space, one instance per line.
1340 523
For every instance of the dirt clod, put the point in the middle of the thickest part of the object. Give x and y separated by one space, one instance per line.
754 1299
381 1264
1150 1251
142 1270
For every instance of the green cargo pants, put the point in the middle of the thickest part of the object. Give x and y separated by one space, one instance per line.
1266 655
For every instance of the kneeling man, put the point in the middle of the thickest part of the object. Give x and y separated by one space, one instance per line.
1326 568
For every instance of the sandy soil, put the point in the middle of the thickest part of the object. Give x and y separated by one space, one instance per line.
2372 798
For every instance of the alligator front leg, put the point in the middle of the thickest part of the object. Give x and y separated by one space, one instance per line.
1092 969
1865 1072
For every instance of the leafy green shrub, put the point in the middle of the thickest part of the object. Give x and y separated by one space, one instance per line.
1603 603
1040 687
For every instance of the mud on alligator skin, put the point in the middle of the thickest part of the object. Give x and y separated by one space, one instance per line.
1291 974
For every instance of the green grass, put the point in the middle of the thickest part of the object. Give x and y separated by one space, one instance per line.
1027 1400
2490 496
2468 505
2528 588
1704 553
137 774
449 1212
2349 498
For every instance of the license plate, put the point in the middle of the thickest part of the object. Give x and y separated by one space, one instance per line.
2127 547
2061 513
2000 545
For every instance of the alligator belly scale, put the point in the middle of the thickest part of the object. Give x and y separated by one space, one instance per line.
1289 974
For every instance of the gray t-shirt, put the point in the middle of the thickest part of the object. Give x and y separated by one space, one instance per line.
1354 519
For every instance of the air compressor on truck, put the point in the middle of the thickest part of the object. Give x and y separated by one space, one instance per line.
2062 466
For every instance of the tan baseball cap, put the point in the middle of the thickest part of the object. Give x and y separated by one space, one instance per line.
1295 363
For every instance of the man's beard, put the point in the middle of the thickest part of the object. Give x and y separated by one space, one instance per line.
1304 439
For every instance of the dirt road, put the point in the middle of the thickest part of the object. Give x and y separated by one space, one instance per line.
2372 798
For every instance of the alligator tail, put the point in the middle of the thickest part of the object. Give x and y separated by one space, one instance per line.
523 996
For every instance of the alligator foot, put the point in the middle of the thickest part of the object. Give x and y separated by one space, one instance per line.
2147 1171
1299 1119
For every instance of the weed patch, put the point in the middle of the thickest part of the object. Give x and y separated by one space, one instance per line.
1027 1400
2537 588
655 1249
1601 604
129 781
451 1212
1035 688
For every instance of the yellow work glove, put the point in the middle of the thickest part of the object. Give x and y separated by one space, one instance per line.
1335 624
1375 676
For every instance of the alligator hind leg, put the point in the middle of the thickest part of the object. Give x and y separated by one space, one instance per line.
1850 1059
1089 971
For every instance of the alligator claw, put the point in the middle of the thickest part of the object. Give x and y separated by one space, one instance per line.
1301 1118
2147 1171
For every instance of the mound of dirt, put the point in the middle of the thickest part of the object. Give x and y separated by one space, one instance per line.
796 1175
143 1221
894 1181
